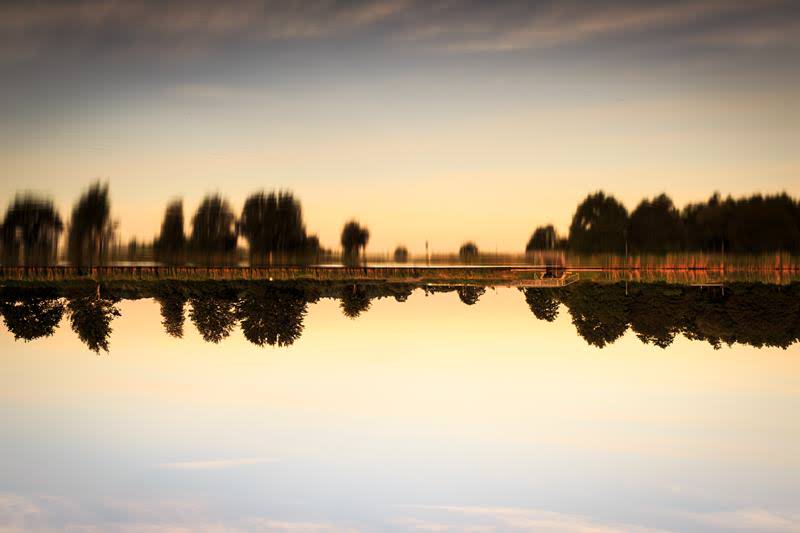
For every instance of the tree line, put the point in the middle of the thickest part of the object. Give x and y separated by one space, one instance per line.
754 224
272 314
272 225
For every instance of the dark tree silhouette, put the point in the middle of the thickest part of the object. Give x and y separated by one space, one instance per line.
468 252
273 223
402 292
214 226
543 303
655 226
355 301
272 315
31 314
31 228
400 254
470 294
311 245
172 305
748 225
763 315
354 239
543 238
90 317
90 227
763 224
599 312
657 313
599 225
172 240
214 315
752 313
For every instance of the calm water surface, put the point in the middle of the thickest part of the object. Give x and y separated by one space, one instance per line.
426 415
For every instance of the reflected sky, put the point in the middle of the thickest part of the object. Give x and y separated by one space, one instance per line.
427 415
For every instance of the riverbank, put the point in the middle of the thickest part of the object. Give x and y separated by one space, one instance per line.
482 275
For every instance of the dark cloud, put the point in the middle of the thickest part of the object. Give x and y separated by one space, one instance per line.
32 29
179 27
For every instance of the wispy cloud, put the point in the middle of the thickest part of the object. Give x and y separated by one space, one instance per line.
515 519
48 514
750 520
215 464
211 92
559 23
176 27
755 35
297 527
179 28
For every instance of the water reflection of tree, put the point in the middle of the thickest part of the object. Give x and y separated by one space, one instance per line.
172 312
748 313
90 317
754 314
272 315
354 300
470 294
543 303
214 315
30 315
657 314
599 312
402 292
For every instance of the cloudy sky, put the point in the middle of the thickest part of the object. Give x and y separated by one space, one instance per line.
427 120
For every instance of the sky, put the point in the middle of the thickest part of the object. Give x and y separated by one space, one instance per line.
427 120
427 415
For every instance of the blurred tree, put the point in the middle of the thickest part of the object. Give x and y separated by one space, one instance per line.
171 242
311 245
706 223
91 229
214 226
756 224
764 224
468 252
400 254
599 225
543 238
354 239
655 226
273 223
31 227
